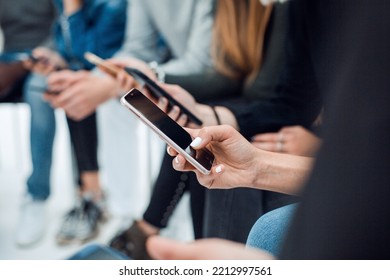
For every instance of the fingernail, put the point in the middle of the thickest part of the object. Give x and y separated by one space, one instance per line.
168 149
196 142
176 160
218 169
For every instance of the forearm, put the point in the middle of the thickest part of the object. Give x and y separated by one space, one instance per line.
281 172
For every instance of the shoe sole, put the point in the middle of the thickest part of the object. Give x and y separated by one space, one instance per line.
67 241
76 241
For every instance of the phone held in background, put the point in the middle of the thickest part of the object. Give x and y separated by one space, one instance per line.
155 90
167 129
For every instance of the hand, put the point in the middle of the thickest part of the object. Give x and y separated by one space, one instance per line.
48 61
236 160
83 94
294 140
202 249
125 80
72 6
185 98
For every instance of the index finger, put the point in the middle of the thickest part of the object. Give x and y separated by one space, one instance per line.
202 137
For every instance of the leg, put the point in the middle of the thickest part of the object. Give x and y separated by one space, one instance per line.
41 138
167 192
198 195
81 223
85 144
31 224
268 232
230 214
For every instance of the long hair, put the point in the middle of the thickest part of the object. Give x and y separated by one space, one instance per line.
238 37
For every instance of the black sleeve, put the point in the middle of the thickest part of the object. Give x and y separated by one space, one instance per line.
207 86
345 210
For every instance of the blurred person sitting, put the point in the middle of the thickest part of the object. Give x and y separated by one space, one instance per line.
247 81
82 26
348 187
182 50
21 34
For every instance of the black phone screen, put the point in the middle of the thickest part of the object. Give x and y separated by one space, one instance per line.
168 126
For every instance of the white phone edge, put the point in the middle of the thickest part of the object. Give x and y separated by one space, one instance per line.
164 137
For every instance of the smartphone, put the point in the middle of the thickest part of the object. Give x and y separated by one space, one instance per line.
143 79
168 130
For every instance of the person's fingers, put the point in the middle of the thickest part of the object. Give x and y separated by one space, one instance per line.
171 151
171 89
267 146
174 113
288 129
163 104
161 248
125 80
266 137
204 249
182 120
179 163
205 135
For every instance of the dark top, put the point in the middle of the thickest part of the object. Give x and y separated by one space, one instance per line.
25 24
345 212
264 105
273 100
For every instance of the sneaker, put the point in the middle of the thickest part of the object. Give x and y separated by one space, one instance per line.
31 226
132 243
81 223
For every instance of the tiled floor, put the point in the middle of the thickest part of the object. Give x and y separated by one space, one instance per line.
14 168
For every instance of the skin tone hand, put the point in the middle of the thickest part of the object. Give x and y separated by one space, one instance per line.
83 92
186 99
202 249
294 140
48 61
125 80
72 6
239 164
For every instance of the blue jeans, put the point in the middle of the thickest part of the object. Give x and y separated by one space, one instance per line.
269 230
42 132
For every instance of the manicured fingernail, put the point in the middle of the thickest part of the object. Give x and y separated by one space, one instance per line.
168 149
218 169
176 160
196 142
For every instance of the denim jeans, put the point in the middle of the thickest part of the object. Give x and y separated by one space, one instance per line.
42 133
269 230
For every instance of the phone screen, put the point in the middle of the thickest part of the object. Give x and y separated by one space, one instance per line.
168 129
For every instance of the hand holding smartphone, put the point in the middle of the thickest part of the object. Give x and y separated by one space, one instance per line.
168 130
155 90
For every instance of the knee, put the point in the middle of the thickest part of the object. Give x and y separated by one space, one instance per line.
34 89
268 231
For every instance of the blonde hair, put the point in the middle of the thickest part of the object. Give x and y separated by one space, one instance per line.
238 37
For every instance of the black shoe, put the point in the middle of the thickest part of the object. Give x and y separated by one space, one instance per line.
81 223
132 243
